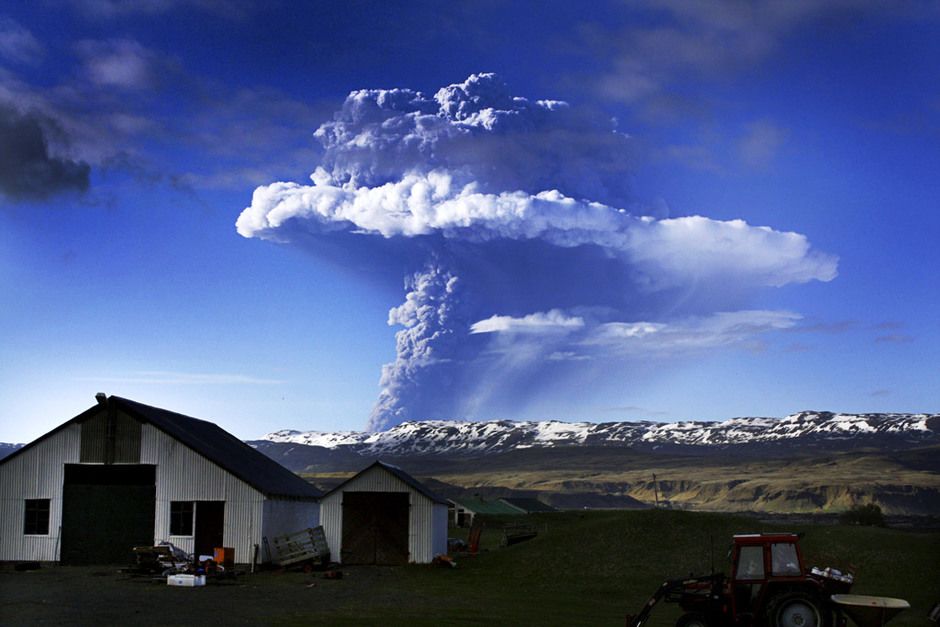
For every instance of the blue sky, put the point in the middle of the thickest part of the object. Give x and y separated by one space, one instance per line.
134 135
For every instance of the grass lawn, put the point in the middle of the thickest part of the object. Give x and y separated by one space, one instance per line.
592 568
589 568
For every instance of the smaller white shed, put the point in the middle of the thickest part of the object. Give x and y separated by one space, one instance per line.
383 515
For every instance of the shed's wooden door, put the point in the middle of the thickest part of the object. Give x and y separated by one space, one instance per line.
375 528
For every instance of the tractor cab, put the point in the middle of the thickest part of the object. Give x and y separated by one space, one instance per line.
762 563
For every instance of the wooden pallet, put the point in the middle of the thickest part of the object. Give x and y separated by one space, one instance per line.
308 545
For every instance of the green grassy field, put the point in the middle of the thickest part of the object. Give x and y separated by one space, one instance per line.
592 568
589 568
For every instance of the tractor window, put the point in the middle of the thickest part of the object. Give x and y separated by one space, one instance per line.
784 559
750 563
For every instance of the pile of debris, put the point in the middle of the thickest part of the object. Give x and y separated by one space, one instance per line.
166 560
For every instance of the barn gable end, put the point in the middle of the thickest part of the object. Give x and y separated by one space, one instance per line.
122 467
384 488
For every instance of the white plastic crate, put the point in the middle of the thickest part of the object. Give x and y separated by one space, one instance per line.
186 581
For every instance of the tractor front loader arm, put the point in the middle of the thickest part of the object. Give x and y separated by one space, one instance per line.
673 590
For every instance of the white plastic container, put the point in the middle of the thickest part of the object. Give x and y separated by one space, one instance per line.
186 581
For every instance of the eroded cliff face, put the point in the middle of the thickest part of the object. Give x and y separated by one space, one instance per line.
900 485
795 497
730 496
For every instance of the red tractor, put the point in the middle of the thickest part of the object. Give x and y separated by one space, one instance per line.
769 587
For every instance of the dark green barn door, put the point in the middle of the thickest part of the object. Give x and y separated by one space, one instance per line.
106 511
375 528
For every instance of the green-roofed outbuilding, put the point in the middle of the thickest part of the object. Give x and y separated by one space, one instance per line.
464 509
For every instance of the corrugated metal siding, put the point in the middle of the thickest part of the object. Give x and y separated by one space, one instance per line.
35 474
427 524
287 516
184 475
94 438
126 439
123 445
439 534
331 517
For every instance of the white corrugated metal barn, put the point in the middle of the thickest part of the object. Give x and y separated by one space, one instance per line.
383 515
124 474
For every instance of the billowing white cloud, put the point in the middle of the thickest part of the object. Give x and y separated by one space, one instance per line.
477 131
666 252
520 206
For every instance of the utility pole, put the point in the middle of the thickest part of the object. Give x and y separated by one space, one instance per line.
656 490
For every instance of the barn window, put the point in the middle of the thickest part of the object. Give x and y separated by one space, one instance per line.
181 518
36 521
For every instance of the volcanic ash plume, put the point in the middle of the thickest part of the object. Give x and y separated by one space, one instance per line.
522 200
427 340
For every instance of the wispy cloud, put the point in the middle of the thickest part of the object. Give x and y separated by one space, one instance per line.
693 156
122 63
723 329
547 322
18 44
888 325
832 328
894 338
28 170
759 144
118 9
677 42
104 115
168 377
568 356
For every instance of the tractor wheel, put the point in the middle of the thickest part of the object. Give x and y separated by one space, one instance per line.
796 609
691 620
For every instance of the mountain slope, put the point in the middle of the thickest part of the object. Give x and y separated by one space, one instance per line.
804 429
809 462
7 448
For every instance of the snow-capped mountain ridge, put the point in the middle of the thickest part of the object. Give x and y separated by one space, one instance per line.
442 436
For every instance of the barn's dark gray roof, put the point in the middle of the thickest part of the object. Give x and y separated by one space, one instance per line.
397 472
224 449
212 442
